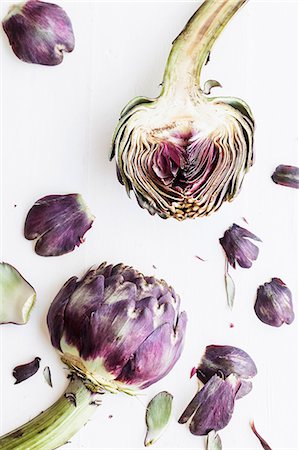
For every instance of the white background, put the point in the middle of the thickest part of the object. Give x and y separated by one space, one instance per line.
57 125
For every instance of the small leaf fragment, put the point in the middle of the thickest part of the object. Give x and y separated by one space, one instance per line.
47 376
264 444
210 84
24 371
17 296
213 441
158 413
230 289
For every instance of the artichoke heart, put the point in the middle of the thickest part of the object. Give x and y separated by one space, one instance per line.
185 153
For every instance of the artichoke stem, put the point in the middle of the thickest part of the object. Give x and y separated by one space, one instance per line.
55 426
191 48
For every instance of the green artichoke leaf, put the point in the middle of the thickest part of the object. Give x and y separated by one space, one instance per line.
158 414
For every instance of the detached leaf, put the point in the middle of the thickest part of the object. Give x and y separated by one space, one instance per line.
59 223
17 296
230 289
47 376
24 371
213 441
157 416
286 176
262 441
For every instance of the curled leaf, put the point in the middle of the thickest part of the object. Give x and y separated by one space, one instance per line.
210 84
47 376
286 176
24 371
213 441
158 413
17 296
264 444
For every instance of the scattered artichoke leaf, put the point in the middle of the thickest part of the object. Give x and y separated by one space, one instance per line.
158 413
238 248
274 305
17 296
48 376
264 444
213 441
39 32
58 223
24 371
230 289
286 176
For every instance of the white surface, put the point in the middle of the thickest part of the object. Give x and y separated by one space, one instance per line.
56 131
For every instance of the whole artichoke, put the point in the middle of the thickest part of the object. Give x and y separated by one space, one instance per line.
117 330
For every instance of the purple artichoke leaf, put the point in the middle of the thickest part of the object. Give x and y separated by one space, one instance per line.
215 407
238 248
190 409
156 356
39 32
273 304
55 317
25 371
264 444
225 359
59 223
286 176
245 388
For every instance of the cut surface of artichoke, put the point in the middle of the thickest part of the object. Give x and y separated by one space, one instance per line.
184 153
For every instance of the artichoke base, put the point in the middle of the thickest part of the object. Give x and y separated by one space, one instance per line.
95 383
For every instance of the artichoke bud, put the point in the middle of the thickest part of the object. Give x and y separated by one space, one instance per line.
117 329
39 32
184 153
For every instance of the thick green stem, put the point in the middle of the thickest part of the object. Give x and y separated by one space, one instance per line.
191 48
55 426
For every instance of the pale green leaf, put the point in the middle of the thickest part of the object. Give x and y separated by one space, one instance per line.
213 441
157 416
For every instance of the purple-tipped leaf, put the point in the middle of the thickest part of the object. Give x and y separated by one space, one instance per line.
25 371
59 223
238 247
273 304
286 176
39 32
